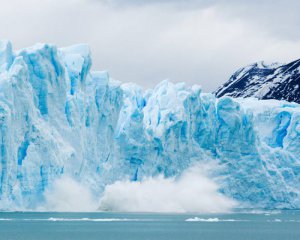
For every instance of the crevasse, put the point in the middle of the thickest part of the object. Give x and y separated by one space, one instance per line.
57 117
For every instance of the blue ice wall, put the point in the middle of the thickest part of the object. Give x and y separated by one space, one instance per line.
57 117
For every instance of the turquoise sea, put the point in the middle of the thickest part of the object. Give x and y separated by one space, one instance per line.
255 225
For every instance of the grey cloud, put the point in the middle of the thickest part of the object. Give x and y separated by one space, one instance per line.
199 42
279 17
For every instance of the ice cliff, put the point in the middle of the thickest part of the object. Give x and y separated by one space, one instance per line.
57 117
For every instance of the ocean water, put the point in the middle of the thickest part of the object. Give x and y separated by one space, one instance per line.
255 225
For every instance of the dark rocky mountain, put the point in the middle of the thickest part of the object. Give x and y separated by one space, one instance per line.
263 81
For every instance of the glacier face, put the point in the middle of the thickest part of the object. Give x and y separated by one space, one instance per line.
59 118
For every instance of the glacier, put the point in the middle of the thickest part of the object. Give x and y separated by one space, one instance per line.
60 118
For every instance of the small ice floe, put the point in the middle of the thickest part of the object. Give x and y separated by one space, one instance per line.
275 220
196 219
265 212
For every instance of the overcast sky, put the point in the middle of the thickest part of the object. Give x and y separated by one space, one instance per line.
196 41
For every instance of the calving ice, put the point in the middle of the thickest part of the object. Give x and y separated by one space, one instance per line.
59 119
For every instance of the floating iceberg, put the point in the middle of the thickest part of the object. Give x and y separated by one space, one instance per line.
59 118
